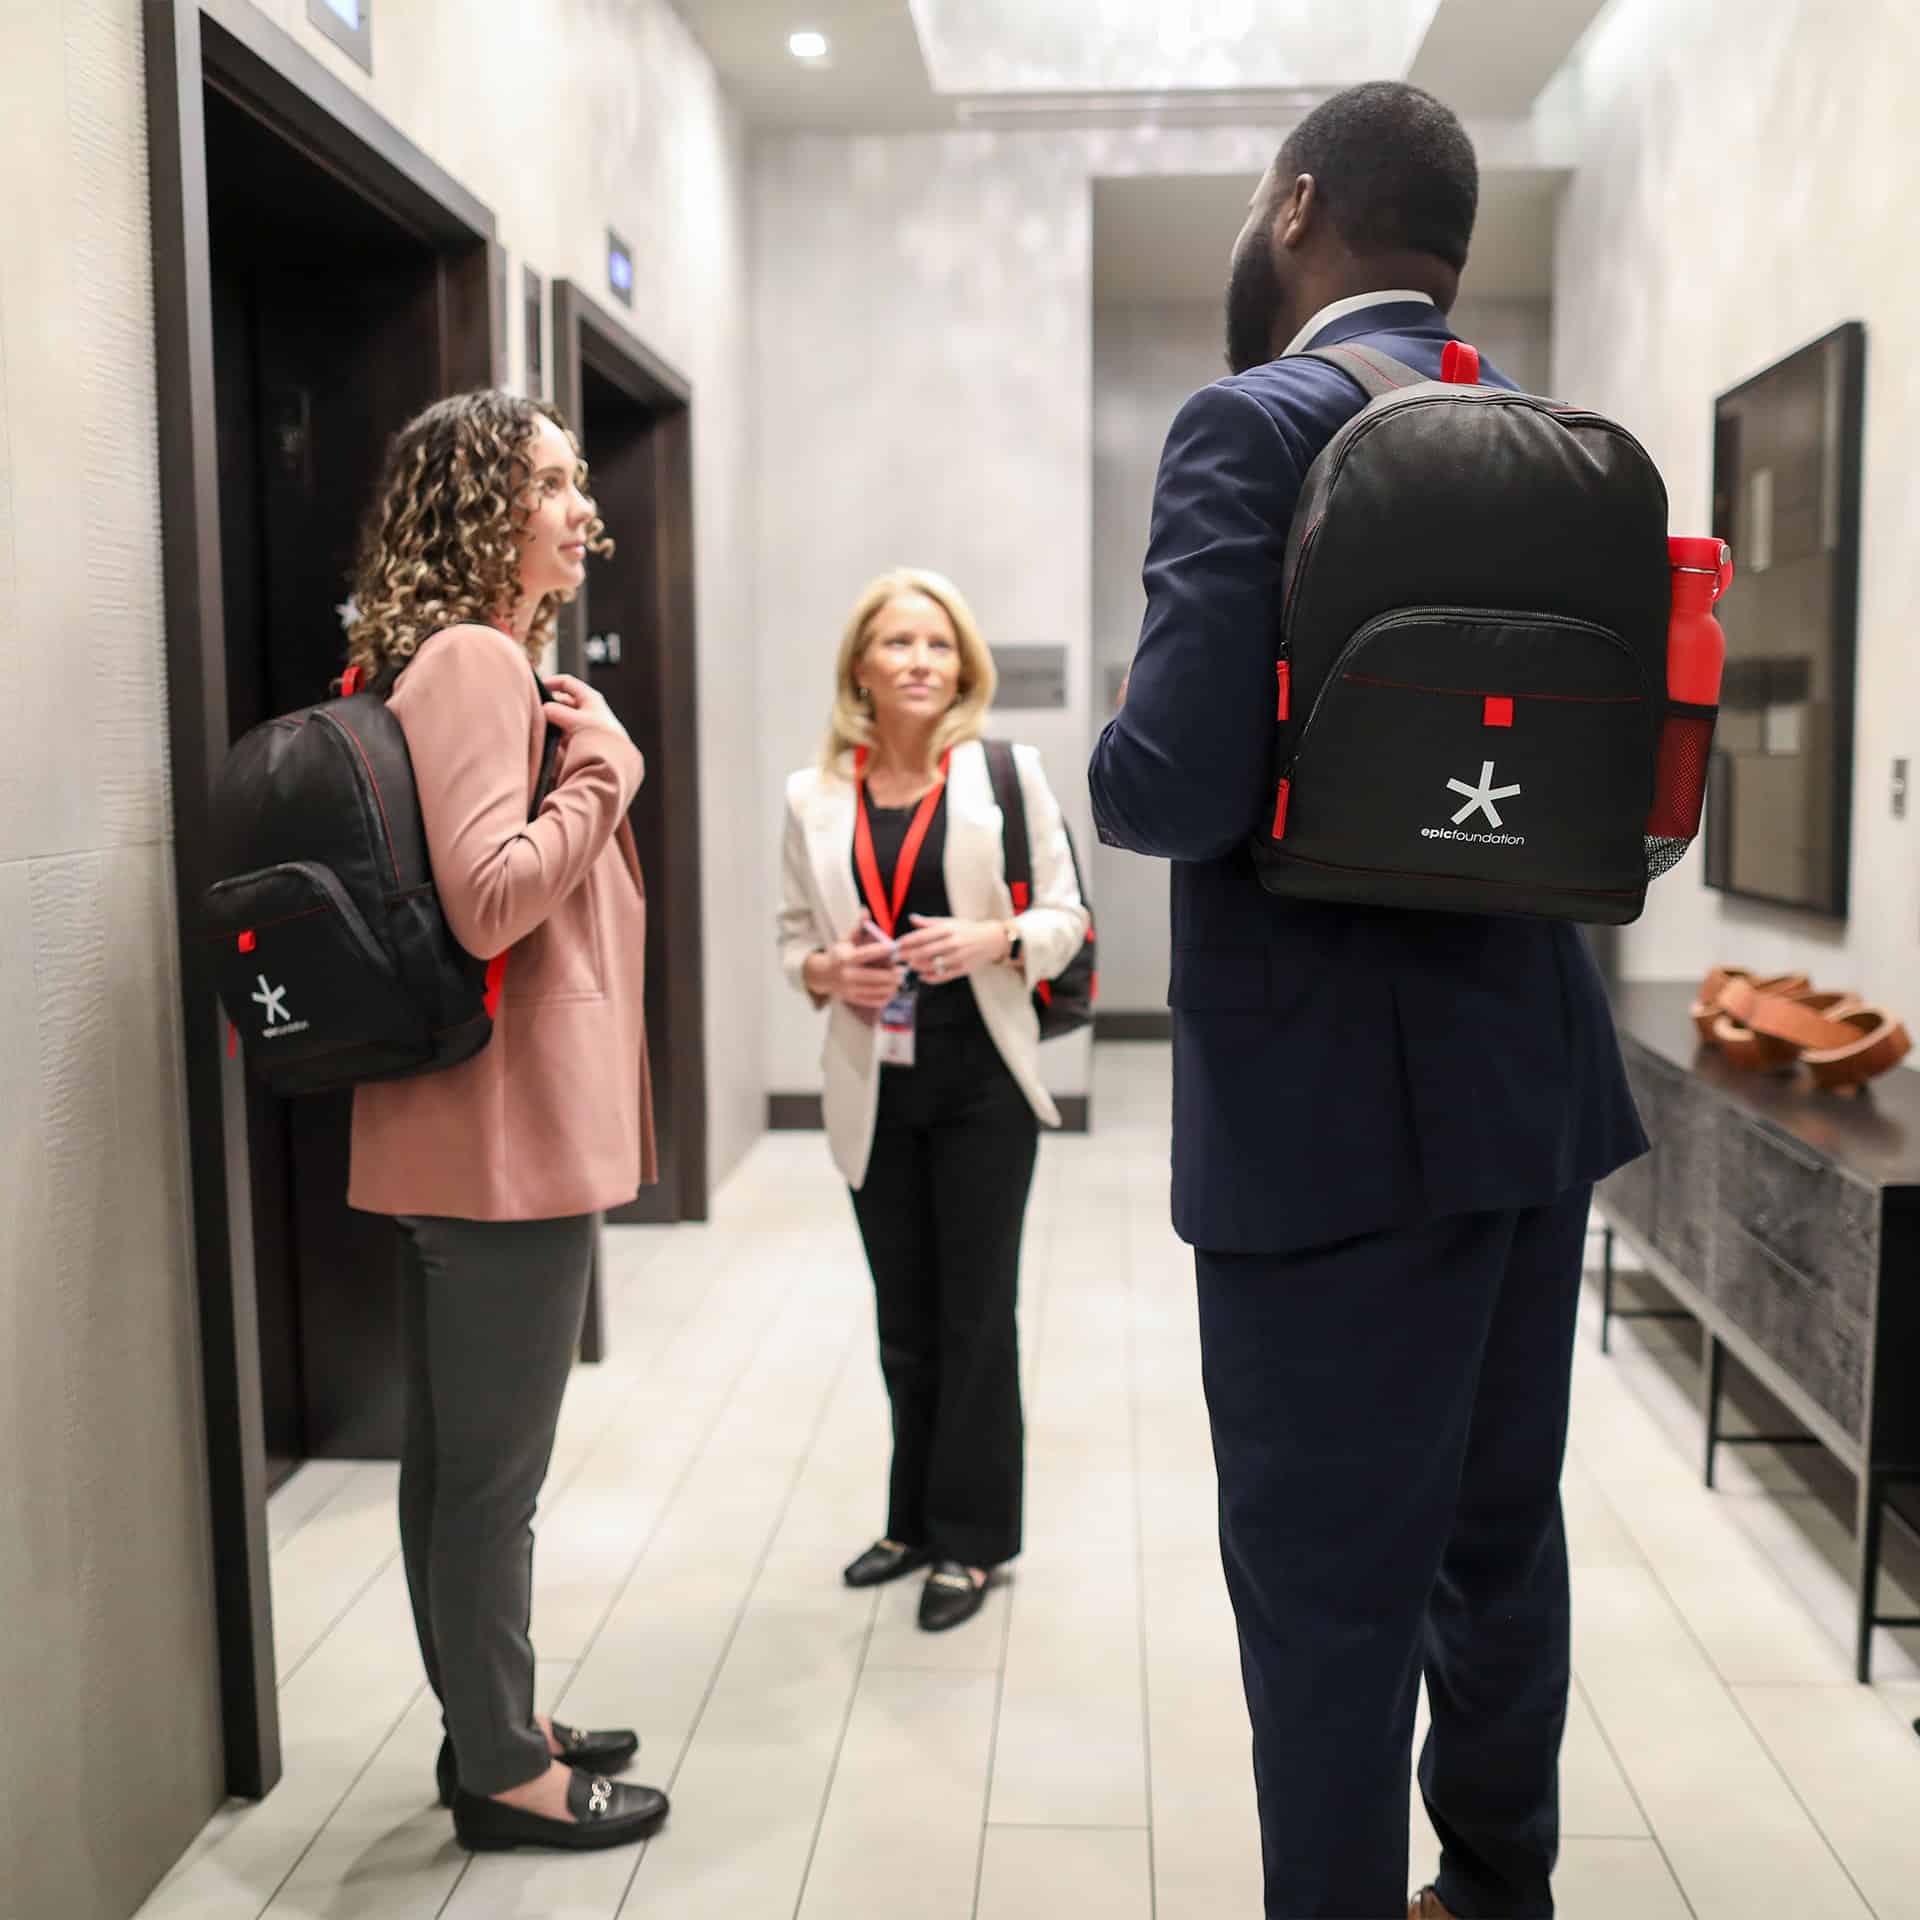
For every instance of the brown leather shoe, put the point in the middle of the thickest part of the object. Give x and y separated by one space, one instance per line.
1425 1905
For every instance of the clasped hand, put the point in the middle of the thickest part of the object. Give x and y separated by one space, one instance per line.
952 949
867 974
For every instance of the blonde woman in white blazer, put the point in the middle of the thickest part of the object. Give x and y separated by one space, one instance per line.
897 920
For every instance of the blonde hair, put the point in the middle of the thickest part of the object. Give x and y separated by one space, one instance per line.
850 725
441 543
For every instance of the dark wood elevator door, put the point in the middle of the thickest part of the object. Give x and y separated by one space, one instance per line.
623 646
327 333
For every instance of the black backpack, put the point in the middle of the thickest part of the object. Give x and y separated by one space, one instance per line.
1064 1004
1473 659
333 957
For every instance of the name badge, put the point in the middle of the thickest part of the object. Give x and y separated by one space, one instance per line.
896 1028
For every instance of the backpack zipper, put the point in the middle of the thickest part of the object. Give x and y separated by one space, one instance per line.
336 895
1412 616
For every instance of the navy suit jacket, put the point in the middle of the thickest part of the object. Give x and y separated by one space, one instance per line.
1336 1070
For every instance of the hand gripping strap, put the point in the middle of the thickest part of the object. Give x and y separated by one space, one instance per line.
550 746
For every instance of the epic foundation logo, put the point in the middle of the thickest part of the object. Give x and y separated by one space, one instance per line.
273 1002
1481 798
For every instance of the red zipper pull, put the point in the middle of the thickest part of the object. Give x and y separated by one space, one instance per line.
233 1039
1285 675
1280 810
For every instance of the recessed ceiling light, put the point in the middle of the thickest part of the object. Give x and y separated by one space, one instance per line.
807 46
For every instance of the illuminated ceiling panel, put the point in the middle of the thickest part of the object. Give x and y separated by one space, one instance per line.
1112 46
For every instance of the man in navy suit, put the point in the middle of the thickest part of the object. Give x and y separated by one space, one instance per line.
1386 1126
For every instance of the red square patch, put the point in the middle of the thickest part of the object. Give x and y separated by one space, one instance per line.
247 943
1499 710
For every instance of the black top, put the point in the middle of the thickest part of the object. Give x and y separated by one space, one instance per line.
946 1003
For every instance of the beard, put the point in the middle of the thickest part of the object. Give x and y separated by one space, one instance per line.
1254 300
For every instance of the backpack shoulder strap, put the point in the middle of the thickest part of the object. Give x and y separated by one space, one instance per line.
549 750
1013 820
1376 374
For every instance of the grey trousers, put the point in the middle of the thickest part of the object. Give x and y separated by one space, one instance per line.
492 1320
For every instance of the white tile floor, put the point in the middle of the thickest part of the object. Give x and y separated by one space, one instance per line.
1081 1749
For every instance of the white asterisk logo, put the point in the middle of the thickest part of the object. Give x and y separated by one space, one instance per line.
1480 799
274 999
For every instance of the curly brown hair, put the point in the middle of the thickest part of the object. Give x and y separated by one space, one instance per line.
441 543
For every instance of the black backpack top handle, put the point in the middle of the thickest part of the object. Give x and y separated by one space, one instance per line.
1380 375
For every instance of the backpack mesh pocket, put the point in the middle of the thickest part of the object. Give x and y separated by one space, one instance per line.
1680 785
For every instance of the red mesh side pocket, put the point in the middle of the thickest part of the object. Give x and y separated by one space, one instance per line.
1680 784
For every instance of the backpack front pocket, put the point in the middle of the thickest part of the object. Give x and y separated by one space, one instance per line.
1509 749
305 983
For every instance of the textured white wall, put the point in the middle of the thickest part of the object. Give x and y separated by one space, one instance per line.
1147 360
1745 182
922 385
923 376
564 119
106 1655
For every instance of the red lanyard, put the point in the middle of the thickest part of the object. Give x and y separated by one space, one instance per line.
884 917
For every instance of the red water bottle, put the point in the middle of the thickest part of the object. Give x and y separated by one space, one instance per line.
1696 648
1702 570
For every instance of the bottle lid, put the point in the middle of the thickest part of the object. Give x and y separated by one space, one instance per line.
1702 553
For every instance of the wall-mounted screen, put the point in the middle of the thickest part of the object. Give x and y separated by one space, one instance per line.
1786 497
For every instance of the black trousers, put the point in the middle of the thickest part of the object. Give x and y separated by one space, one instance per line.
492 1311
1389 1423
941 1213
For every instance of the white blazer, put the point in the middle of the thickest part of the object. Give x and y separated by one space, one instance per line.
820 904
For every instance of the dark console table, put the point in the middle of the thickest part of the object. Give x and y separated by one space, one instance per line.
1787 1222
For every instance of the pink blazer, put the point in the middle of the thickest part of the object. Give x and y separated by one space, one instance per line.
555 1116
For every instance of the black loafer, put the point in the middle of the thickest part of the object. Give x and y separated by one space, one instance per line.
883 1561
607 1751
605 1814
951 1597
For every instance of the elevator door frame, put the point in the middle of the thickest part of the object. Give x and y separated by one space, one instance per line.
229 46
586 336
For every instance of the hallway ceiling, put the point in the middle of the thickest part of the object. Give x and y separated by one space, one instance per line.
903 64
875 79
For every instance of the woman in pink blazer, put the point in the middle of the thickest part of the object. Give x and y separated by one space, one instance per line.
496 1170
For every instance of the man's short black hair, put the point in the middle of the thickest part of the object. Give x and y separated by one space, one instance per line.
1395 169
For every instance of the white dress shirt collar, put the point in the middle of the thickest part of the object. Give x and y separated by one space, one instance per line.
1359 303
